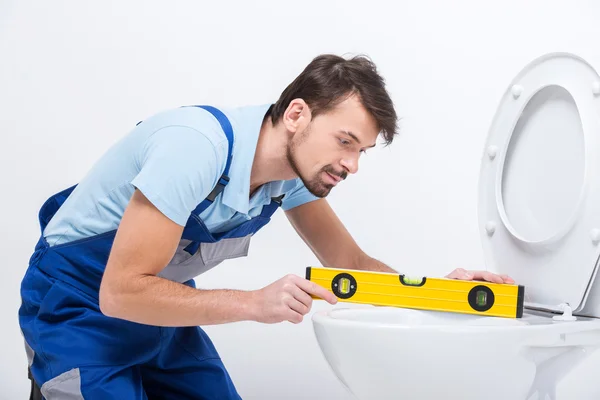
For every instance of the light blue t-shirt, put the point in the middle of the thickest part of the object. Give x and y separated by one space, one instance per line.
175 158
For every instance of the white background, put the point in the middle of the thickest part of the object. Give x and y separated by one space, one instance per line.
75 76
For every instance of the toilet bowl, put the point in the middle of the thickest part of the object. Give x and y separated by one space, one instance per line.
539 218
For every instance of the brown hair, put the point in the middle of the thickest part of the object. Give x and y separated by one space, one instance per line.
328 79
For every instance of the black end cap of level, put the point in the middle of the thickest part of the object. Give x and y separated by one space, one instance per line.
520 301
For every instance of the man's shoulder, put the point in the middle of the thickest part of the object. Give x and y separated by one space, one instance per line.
190 118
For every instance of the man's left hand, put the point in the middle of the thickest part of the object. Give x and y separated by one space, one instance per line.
465 275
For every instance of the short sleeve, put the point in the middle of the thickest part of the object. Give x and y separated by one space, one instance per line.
297 196
178 168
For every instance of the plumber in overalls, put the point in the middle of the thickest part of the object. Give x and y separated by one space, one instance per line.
109 306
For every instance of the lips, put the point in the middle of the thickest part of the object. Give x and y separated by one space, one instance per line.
336 179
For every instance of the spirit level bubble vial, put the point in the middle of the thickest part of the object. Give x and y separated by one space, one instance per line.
437 294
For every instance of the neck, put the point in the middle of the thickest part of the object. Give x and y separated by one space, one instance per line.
270 160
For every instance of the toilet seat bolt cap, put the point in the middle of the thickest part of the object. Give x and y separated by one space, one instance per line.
595 235
517 90
596 88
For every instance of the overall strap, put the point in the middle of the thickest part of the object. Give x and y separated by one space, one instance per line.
269 209
224 179
227 128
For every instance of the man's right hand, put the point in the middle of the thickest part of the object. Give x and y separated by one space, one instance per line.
287 299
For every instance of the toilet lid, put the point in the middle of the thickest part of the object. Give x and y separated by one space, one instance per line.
539 188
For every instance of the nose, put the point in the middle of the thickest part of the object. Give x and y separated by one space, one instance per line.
350 164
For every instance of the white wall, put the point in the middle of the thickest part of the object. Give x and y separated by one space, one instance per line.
75 76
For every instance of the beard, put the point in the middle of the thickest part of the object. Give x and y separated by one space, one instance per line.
315 184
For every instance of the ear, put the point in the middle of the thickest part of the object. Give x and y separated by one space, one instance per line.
297 116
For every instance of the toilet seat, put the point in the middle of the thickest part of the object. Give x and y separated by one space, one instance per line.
539 185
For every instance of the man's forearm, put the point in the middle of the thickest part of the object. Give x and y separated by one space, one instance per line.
156 301
362 261
370 264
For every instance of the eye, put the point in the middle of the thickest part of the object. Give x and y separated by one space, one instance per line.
344 142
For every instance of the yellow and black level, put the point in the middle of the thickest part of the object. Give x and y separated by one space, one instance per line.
425 293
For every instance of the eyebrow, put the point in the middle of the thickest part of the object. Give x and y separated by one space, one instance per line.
353 136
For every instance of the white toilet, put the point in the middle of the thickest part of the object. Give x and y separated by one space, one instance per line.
539 218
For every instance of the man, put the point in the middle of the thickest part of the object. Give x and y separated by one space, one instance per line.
110 310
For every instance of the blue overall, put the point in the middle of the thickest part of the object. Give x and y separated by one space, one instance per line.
76 352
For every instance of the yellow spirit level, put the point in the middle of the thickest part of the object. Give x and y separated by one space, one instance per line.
438 294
